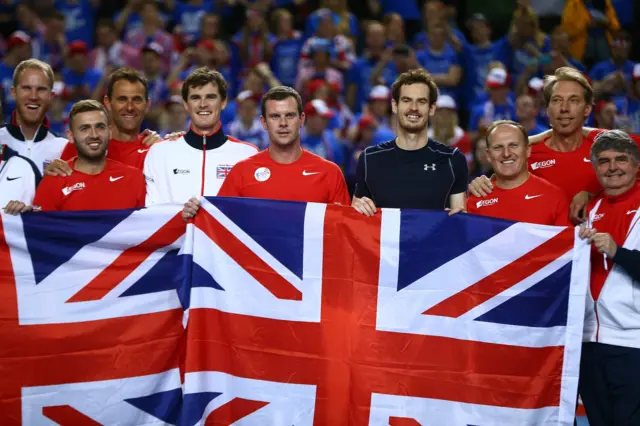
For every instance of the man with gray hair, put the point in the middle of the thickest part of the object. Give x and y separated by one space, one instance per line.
610 365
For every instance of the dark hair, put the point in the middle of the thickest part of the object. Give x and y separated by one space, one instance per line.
56 15
500 123
416 76
129 74
614 140
106 23
280 93
201 77
86 105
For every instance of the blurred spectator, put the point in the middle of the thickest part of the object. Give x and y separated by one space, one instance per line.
18 50
498 107
210 26
287 48
158 91
247 126
130 17
524 44
629 105
110 51
33 27
359 75
54 42
330 94
346 24
187 16
80 81
477 57
79 23
151 30
341 48
177 118
441 60
435 13
527 115
254 42
605 115
610 76
590 24
480 164
535 88
390 66
394 28
445 129
320 66
379 105
315 137
561 52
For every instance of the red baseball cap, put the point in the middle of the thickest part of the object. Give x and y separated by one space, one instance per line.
497 78
318 107
78 47
18 38
366 121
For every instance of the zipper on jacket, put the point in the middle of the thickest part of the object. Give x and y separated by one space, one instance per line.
595 309
204 163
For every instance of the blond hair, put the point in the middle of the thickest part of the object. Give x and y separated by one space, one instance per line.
567 74
33 64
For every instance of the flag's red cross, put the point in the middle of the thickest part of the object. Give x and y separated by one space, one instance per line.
43 355
347 358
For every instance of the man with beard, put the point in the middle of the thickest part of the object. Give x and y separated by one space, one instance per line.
197 163
28 132
283 171
519 195
127 101
411 171
97 183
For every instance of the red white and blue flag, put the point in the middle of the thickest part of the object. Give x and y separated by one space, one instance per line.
295 314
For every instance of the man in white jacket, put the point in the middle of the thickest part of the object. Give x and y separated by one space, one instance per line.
197 163
610 365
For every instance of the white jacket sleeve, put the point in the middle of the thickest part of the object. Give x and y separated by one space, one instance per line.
17 182
152 179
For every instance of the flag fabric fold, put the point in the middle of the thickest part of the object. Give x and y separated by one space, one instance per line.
266 312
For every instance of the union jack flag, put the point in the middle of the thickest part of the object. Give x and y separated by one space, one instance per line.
295 314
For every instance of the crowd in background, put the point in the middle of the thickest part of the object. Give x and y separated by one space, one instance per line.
488 59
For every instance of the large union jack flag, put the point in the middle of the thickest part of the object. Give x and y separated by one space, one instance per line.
295 314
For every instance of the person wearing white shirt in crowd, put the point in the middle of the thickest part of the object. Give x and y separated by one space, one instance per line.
19 178
246 126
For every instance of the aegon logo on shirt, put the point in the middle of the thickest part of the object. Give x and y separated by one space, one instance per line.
181 171
69 189
543 164
598 217
485 203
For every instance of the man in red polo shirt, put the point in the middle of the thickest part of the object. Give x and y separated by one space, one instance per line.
97 182
517 195
284 171
127 101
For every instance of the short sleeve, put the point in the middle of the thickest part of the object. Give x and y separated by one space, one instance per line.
46 197
361 189
460 172
232 185
340 193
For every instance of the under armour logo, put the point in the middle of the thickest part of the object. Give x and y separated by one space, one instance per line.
430 167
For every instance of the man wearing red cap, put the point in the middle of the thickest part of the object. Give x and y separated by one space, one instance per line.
316 137
498 107
80 81
284 171
18 50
